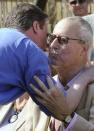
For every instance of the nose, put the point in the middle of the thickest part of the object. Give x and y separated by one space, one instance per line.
55 44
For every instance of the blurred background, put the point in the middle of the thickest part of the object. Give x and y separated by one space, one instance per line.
56 9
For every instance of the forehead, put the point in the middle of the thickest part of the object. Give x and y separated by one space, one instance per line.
65 27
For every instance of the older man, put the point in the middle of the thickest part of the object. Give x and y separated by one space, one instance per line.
70 43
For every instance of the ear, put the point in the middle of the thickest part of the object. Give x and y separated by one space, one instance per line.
35 26
85 48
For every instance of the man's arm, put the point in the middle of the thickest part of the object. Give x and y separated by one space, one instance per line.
85 123
78 87
55 101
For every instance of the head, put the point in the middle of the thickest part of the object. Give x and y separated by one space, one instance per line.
31 20
70 43
78 7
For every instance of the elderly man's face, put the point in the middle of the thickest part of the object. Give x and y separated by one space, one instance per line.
66 49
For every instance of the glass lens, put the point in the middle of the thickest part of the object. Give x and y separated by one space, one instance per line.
50 38
63 40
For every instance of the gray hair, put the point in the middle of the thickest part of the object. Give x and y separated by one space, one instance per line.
86 34
90 19
85 30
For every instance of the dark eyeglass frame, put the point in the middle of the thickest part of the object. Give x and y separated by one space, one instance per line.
63 40
74 2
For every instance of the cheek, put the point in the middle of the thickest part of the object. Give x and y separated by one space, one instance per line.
75 55
44 40
69 54
43 35
64 59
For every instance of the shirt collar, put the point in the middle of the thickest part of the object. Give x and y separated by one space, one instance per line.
61 86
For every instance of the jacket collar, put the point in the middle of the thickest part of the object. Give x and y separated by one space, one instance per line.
4 109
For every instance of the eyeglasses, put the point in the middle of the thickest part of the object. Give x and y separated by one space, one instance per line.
74 2
63 40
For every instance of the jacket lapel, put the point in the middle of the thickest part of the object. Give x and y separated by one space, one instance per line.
4 109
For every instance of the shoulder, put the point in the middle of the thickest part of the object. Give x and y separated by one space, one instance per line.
8 31
9 36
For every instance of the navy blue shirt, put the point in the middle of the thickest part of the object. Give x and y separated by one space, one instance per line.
20 60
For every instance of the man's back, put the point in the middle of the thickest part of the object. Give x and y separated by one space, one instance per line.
20 59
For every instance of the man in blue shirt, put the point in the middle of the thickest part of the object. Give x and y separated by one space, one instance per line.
20 57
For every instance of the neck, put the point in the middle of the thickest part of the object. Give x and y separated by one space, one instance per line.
66 75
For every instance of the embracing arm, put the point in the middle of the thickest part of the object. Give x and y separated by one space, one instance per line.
82 124
55 101
85 123
78 87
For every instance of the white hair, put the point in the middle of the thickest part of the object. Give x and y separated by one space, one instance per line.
90 20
